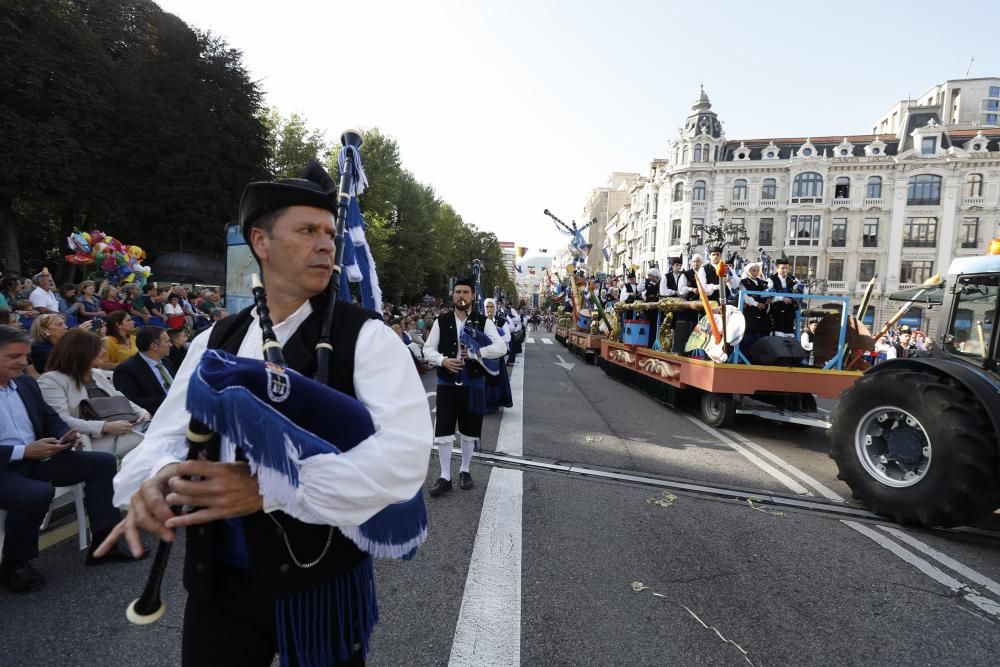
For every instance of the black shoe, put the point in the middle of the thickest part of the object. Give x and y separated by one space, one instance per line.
465 481
118 554
20 577
440 487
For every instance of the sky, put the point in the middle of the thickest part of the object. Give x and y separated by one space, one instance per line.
509 107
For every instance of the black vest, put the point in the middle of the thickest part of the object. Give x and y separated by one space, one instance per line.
711 277
652 291
790 280
671 281
272 569
448 342
692 283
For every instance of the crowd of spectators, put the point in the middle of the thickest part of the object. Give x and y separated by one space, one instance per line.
98 340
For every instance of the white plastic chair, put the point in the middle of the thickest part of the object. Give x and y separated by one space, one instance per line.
58 501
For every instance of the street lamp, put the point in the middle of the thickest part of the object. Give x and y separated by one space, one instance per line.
722 233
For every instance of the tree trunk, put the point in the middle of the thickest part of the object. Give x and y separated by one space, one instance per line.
8 236
64 271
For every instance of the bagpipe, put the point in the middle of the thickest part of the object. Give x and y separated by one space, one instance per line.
247 402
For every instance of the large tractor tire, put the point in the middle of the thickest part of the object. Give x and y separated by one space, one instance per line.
917 448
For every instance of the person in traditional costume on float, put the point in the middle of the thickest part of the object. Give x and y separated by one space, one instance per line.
498 386
457 346
754 307
687 288
278 559
651 294
783 309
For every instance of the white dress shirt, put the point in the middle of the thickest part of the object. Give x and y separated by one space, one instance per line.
666 291
496 349
334 489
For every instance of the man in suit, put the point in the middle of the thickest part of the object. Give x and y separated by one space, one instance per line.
37 453
145 378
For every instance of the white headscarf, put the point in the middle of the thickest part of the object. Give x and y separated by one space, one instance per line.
746 270
489 302
655 272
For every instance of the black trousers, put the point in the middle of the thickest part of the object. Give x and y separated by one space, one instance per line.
234 628
453 408
26 491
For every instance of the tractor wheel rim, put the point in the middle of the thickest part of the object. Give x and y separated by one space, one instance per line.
893 446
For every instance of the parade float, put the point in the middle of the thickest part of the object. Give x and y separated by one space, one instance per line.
706 365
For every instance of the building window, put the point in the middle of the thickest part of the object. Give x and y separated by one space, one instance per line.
740 189
769 189
920 233
698 191
838 231
807 186
991 118
675 231
766 234
684 155
803 230
866 270
974 186
928 146
678 192
924 190
802 265
874 189
697 152
806 152
770 154
994 91
993 105
835 270
869 233
916 270
842 188
970 232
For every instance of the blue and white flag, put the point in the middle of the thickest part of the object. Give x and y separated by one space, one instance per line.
607 254
358 263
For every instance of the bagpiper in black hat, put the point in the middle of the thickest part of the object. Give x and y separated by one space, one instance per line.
780 260
715 248
674 260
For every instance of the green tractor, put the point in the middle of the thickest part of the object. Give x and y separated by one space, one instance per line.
918 439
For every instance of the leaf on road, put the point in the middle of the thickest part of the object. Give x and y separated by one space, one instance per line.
666 501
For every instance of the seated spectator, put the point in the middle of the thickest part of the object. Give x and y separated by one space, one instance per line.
153 304
8 292
37 452
68 304
178 346
174 312
112 300
121 340
209 302
24 288
46 331
132 297
42 297
69 380
7 318
145 378
90 304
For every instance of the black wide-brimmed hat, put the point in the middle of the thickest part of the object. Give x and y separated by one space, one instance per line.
314 187
465 280
780 260
675 260
715 248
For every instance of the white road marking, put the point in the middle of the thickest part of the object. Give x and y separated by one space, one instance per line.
986 604
489 622
547 341
945 560
562 362
511 437
529 340
753 458
777 460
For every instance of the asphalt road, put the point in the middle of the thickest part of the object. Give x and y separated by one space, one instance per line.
567 566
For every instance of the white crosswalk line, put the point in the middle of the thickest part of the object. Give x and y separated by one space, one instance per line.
547 341
529 340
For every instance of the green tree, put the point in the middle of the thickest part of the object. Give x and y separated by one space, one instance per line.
292 144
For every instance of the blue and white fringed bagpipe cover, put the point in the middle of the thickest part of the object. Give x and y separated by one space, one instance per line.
277 418
473 339
358 263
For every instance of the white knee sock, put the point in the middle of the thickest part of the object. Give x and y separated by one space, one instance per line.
445 445
468 444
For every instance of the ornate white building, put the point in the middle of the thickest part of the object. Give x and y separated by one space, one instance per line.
840 208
